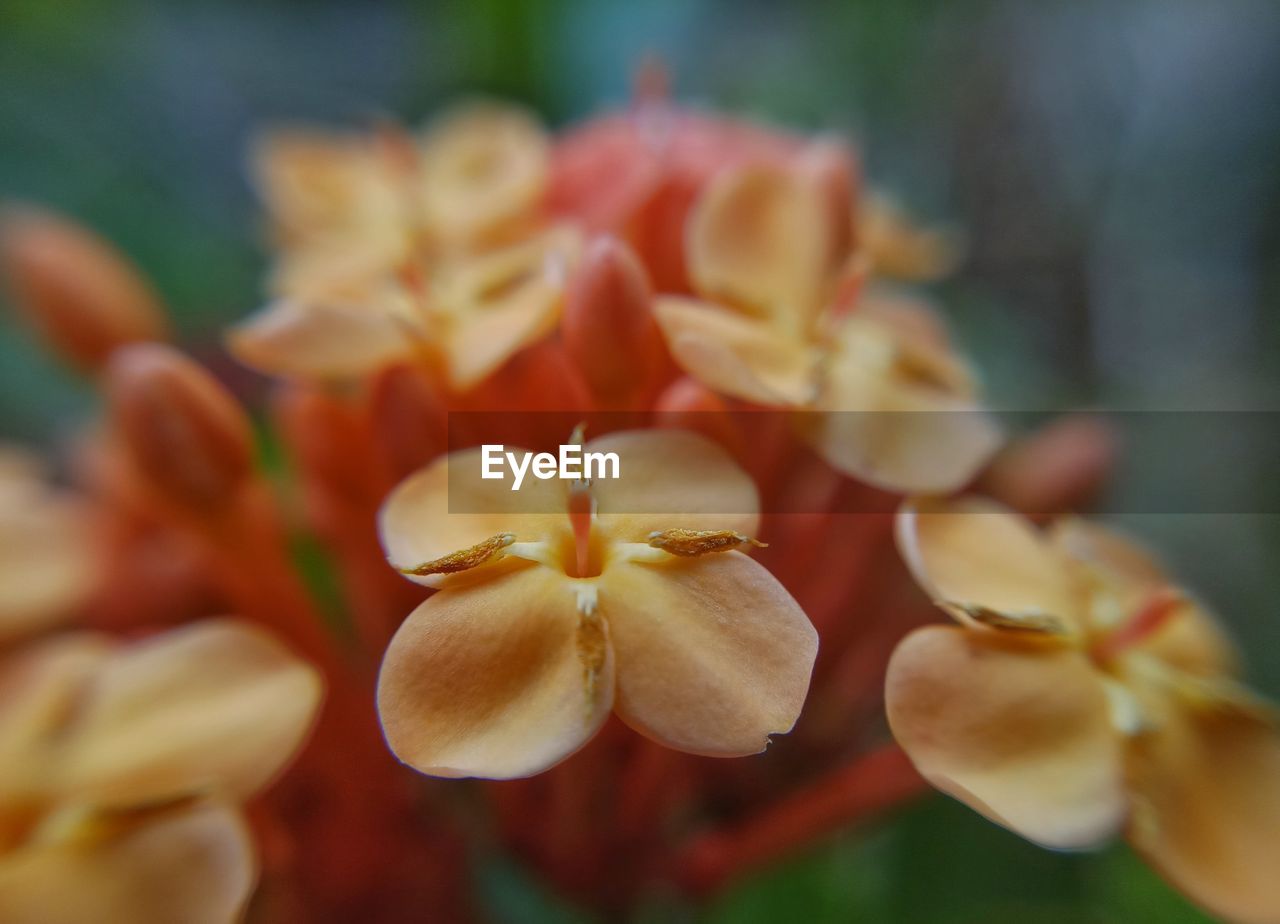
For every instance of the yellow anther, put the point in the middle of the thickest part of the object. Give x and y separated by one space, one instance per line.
689 543
466 559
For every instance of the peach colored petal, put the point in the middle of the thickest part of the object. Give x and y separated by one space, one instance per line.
215 704
500 678
670 479
1191 639
499 303
896 435
192 864
738 356
979 560
1018 730
416 523
485 167
714 655
39 688
318 184
320 340
49 560
759 238
902 249
1206 788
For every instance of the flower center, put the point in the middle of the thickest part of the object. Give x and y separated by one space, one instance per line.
1152 615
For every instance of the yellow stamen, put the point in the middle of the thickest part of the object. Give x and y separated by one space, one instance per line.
690 543
466 559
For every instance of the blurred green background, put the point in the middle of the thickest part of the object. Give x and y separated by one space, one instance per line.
1116 166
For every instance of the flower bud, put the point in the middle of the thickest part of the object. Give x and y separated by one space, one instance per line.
82 294
687 404
608 326
182 430
1059 468
409 417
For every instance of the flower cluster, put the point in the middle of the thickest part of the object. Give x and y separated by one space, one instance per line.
723 306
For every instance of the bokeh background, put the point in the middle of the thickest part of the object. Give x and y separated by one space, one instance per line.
1115 166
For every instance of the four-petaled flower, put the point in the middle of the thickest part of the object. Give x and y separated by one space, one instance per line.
122 768
394 250
563 601
1083 694
887 399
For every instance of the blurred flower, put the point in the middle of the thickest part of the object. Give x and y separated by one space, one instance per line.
82 294
123 765
50 560
556 607
886 398
1083 694
393 250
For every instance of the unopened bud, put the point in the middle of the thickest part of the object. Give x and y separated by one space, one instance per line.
84 296
183 431
1059 468
409 418
608 328
687 404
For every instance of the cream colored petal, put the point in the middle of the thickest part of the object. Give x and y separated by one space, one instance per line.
216 704
449 506
1018 730
499 303
1206 787
1108 549
886 416
485 168
49 560
714 655
500 678
320 340
759 238
671 479
979 560
738 356
193 864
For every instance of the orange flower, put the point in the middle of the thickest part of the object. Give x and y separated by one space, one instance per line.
122 767
1083 694
49 558
557 606
887 399
394 250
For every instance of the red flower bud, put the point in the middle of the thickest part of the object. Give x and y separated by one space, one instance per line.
608 328
82 294
182 430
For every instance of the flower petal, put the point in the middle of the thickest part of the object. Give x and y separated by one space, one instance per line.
218 703
1191 639
979 560
759 238
39 688
671 479
416 524
318 184
874 423
1018 730
1207 808
49 562
320 339
485 167
714 655
499 303
500 678
189 865
738 356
